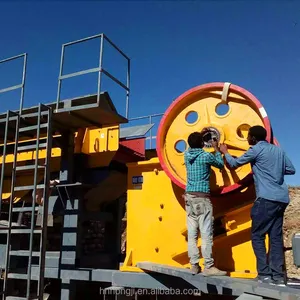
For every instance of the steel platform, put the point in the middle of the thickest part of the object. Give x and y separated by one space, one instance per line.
72 114
161 277
223 285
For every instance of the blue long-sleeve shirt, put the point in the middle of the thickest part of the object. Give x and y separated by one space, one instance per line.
269 165
198 166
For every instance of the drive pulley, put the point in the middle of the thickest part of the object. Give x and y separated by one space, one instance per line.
227 111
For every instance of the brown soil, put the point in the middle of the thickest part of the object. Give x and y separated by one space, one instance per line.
290 227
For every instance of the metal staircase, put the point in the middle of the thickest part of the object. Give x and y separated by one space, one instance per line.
19 262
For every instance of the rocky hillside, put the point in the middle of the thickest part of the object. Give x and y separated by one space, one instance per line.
291 226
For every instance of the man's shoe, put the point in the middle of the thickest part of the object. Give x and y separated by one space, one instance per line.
213 271
264 279
196 269
279 282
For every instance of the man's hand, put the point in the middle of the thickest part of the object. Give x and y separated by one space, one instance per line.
223 148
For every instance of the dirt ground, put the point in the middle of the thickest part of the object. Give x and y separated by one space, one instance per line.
291 226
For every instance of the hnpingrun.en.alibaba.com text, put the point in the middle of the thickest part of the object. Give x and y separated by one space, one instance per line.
131 292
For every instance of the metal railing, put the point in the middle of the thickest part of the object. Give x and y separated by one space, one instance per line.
98 69
10 115
22 84
150 118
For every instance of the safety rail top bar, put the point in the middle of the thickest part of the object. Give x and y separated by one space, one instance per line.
98 69
94 37
150 117
145 117
22 84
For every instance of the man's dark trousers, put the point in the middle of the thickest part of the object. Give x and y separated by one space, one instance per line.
267 218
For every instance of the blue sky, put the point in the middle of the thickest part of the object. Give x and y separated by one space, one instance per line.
173 46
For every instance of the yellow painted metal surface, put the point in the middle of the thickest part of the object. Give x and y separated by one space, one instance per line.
156 216
101 144
105 139
25 178
156 224
24 157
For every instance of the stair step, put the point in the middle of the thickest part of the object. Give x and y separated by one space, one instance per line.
17 276
15 298
24 209
28 187
33 127
19 231
22 231
29 167
23 253
45 297
4 225
31 147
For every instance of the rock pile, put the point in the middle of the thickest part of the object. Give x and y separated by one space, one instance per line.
290 227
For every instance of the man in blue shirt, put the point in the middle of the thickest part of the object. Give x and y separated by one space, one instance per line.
269 165
197 202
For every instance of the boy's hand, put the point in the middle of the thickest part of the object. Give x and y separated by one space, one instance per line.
223 148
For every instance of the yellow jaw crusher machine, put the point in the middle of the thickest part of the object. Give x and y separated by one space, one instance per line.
156 220
70 171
